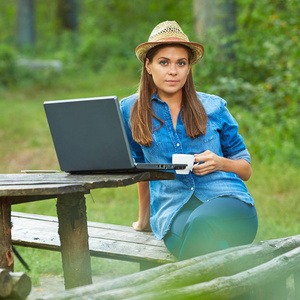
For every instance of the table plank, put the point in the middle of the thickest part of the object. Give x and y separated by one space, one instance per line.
67 177
62 183
41 189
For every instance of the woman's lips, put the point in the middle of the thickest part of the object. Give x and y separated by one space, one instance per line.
172 82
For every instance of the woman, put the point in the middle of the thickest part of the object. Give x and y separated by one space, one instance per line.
210 208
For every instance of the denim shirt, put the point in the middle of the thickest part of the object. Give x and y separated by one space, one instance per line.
222 138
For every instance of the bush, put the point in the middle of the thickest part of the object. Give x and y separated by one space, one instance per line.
7 65
260 81
255 68
268 117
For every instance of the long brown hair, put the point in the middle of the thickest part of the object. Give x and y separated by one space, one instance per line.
194 115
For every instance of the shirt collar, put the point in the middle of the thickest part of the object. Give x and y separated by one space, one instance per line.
155 97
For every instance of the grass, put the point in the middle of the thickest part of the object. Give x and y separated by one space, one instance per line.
26 144
24 134
275 189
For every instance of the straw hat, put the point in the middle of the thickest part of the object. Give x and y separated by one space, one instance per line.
169 32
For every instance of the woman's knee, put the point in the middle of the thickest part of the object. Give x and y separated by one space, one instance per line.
201 237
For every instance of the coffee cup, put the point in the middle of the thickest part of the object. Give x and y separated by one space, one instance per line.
187 159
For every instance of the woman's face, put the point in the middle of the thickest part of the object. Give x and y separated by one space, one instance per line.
169 69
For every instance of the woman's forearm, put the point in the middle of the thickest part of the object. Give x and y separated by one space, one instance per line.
239 166
143 223
210 162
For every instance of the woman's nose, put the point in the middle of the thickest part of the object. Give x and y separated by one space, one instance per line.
173 69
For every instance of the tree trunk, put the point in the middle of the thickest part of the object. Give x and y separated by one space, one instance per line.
205 16
25 22
218 18
229 287
67 11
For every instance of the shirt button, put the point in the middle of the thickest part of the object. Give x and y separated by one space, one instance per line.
192 188
178 144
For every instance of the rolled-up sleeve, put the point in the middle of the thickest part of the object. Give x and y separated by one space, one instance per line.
244 154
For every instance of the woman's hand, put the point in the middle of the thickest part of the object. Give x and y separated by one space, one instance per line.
141 227
208 162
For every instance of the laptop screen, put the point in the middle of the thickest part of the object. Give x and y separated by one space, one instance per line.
88 134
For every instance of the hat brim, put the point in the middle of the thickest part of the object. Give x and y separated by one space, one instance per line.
197 49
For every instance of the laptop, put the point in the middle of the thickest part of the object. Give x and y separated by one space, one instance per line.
89 137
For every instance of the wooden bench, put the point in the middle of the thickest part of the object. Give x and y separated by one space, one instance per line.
105 240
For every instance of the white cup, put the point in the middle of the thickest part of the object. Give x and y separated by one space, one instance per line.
187 159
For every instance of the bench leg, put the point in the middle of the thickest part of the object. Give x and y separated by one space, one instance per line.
6 254
73 233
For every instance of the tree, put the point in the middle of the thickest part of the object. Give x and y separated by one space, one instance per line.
216 16
67 12
205 12
25 22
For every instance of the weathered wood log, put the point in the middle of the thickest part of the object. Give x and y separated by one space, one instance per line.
5 283
21 285
204 268
188 276
232 286
275 290
14 285
130 280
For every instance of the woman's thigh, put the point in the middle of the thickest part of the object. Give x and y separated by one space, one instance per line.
217 224
229 218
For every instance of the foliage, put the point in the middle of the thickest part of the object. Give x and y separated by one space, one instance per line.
112 31
255 69
14 72
7 65
261 80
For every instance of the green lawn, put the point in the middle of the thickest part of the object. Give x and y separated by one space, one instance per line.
26 144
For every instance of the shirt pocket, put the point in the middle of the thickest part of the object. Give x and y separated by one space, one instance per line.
210 141
207 139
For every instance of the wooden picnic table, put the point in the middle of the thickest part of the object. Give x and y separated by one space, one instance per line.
71 211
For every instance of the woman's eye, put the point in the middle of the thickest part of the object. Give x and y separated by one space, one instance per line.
181 63
163 62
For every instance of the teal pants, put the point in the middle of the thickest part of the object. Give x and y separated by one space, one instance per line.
201 228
